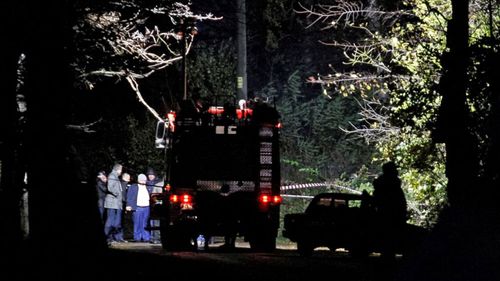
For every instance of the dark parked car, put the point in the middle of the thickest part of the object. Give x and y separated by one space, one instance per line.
340 220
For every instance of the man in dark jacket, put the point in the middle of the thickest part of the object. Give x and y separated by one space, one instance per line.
126 216
101 190
155 184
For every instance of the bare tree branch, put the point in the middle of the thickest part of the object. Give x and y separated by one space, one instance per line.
144 50
347 11
375 50
84 127
375 122
135 86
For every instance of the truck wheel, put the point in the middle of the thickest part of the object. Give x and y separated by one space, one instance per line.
263 243
304 248
175 240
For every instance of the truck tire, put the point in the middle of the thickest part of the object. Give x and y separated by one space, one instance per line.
177 240
263 243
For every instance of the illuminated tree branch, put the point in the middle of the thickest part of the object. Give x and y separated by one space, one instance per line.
134 50
344 11
375 122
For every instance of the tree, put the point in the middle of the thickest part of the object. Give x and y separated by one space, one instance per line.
10 172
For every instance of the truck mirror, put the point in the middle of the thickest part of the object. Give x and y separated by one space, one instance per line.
160 140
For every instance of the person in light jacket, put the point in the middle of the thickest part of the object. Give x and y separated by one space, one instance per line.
138 197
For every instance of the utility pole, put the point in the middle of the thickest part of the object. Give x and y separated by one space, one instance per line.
184 60
187 32
241 69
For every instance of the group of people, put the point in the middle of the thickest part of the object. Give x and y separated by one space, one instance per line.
118 197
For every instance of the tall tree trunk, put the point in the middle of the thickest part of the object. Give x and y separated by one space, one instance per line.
10 179
462 164
62 210
464 244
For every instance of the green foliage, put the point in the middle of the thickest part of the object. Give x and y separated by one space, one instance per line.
414 101
313 146
140 152
128 140
273 17
393 57
484 17
425 193
212 68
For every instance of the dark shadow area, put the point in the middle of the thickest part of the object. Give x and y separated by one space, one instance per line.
464 245
150 262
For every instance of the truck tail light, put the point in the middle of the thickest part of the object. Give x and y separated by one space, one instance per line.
264 198
270 199
184 200
174 198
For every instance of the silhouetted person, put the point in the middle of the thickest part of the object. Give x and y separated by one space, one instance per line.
229 115
229 218
390 205
102 189
126 216
156 185
263 113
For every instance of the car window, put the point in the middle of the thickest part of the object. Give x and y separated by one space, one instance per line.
354 203
326 202
340 203
332 203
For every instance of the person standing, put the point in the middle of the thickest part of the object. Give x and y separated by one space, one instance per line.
126 216
101 189
391 208
138 197
154 183
114 206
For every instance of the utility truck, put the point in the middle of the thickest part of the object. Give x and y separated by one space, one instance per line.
222 173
